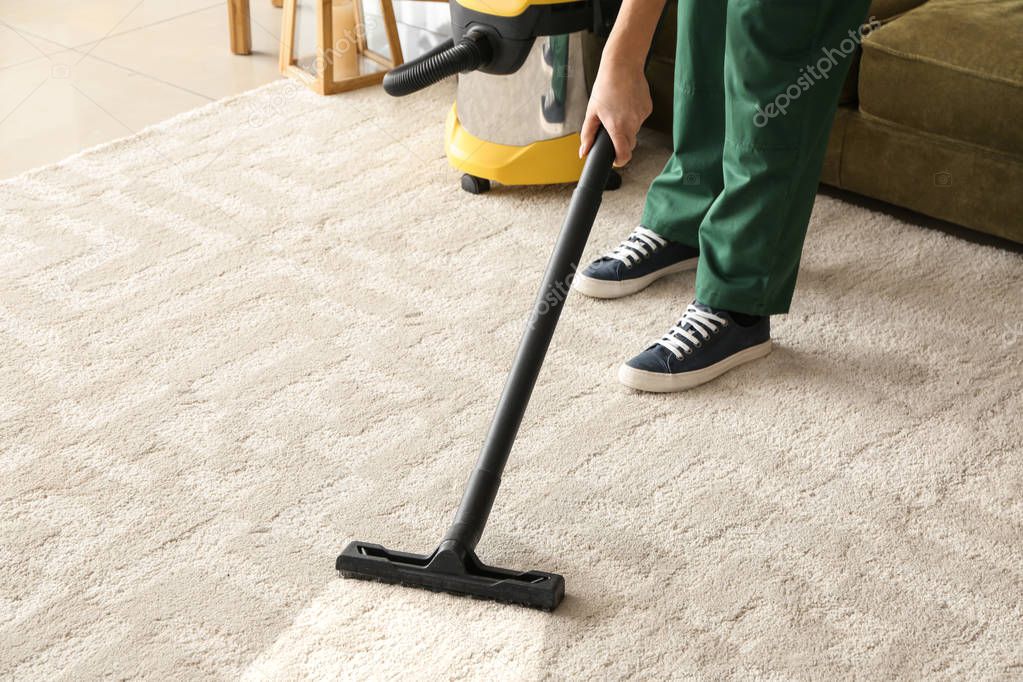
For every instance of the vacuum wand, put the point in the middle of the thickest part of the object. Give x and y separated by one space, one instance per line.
483 484
453 566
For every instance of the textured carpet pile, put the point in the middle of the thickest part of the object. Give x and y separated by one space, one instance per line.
239 339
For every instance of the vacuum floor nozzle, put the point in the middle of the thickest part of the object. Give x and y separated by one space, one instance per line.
449 569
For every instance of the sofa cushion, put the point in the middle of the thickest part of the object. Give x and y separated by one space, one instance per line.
950 67
952 180
881 11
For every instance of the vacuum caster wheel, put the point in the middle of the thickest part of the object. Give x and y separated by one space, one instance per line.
614 181
474 185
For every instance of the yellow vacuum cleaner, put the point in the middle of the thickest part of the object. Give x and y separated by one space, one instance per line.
522 88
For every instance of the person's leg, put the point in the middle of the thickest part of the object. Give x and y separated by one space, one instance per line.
784 65
678 199
785 62
666 240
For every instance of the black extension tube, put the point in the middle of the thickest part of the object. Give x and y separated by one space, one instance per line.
447 59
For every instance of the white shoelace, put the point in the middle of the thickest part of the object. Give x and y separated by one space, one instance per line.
688 333
642 243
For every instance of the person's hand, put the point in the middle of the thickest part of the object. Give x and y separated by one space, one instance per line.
620 101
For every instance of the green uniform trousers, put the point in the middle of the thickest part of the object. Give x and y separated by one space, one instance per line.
756 90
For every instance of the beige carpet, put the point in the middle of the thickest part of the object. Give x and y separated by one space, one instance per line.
235 341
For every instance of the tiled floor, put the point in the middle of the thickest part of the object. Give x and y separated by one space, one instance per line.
76 74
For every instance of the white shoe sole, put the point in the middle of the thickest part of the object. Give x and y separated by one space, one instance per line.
602 288
662 382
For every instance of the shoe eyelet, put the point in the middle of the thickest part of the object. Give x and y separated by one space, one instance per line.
689 351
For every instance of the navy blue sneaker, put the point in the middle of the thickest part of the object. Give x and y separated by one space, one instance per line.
639 261
702 346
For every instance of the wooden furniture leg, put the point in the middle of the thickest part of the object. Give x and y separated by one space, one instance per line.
241 26
338 64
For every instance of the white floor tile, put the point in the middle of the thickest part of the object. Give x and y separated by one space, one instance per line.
58 105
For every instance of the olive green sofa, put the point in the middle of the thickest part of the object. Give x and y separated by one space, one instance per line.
931 118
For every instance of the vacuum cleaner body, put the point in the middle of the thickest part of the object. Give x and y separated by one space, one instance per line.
517 121
523 129
523 86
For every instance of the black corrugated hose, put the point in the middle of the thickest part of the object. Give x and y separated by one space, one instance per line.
447 59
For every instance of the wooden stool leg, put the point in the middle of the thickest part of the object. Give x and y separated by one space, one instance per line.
397 58
241 26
